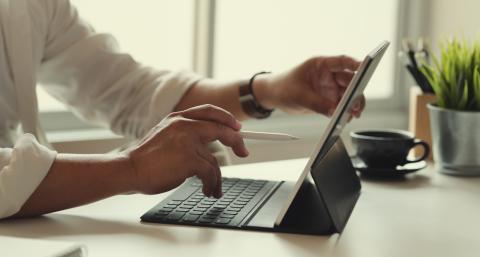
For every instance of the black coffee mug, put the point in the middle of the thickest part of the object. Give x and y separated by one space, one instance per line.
386 148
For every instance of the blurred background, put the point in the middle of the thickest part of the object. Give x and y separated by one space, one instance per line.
234 39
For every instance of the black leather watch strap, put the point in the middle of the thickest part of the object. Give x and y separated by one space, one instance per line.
249 102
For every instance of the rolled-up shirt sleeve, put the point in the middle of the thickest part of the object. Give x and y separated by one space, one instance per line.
22 169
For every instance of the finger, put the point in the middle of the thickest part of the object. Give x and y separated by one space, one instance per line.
219 192
210 131
343 78
212 113
341 63
207 156
358 106
350 117
206 173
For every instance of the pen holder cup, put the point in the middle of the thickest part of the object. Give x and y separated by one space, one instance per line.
419 121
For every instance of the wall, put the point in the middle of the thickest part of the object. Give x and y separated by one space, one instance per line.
448 18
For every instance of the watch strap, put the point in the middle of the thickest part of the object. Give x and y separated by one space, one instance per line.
250 105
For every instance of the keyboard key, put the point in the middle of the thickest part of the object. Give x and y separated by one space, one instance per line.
238 205
211 215
216 209
160 215
228 197
174 216
191 218
175 202
227 216
196 212
167 209
222 221
206 219
233 209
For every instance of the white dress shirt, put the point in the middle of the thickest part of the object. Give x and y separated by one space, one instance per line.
45 41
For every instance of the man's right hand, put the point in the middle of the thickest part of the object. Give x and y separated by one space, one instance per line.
176 149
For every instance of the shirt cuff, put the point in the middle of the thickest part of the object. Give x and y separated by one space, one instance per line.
29 163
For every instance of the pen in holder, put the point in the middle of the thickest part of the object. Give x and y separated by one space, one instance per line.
419 121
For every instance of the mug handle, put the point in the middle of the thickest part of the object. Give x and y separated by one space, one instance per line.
426 150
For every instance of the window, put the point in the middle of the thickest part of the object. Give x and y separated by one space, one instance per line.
156 33
252 36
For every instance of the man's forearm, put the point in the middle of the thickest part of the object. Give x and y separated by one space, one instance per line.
224 95
74 180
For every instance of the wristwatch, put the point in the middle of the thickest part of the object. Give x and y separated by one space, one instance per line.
249 102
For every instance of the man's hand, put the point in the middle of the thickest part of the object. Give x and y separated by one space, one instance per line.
176 149
316 85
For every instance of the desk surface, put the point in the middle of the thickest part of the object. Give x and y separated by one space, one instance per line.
427 214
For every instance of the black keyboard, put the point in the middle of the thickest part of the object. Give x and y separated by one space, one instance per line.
188 205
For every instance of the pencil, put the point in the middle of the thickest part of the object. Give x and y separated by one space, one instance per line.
267 136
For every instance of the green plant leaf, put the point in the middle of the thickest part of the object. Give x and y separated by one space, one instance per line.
455 75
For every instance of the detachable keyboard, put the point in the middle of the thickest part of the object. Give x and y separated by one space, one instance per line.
188 205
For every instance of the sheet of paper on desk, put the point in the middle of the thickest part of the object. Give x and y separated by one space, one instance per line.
19 247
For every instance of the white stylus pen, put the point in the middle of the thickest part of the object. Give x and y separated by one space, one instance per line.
267 136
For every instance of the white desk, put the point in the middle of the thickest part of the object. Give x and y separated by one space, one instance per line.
426 215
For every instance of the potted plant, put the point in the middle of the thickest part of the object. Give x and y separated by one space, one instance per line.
455 116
